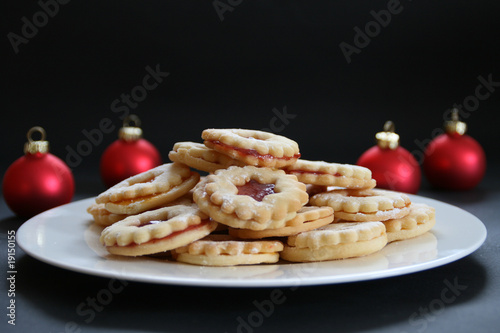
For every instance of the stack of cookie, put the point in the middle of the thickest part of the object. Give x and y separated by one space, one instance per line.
259 202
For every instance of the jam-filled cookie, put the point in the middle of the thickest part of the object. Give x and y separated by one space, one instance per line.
336 241
224 250
364 205
250 197
157 231
332 174
253 147
150 189
200 157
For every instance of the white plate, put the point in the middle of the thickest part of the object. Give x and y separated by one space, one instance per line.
66 237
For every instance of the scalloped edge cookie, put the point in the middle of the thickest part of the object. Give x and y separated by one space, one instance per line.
217 195
156 231
148 190
364 205
332 174
253 147
200 157
336 241
224 250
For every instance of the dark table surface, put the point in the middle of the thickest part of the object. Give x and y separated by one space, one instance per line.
47 297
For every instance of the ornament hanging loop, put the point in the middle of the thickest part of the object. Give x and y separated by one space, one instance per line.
34 129
130 133
132 118
38 146
389 126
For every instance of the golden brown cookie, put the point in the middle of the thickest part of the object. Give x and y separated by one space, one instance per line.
364 205
148 190
250 197
224 250
200 157
336 241
332 174
157 231
253 147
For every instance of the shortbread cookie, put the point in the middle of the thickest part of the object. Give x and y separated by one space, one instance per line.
250 197
150 189
308 218
157 231
336 241
332 174
224 250
253 147
364 205
420 220
200 157
102 216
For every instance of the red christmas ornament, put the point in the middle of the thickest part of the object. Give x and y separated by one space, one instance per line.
392 166
129 155
453 160
38 180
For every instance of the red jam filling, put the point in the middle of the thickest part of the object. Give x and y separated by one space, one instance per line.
172 235
252 152
256 190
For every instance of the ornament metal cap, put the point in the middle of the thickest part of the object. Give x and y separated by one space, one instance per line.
130 133
388 139
39 146
455 126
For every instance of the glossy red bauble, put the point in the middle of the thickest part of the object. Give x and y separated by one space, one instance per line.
393 169
455 162
123 159
37 182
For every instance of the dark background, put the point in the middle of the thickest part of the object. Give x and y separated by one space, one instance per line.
233 73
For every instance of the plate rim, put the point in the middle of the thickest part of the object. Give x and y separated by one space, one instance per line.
249 283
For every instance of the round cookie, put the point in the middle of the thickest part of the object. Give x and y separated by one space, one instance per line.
200 157
150 189
157 231
250 197
364 205
332 174
253 147
336 241
421 219
308 218
224 250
